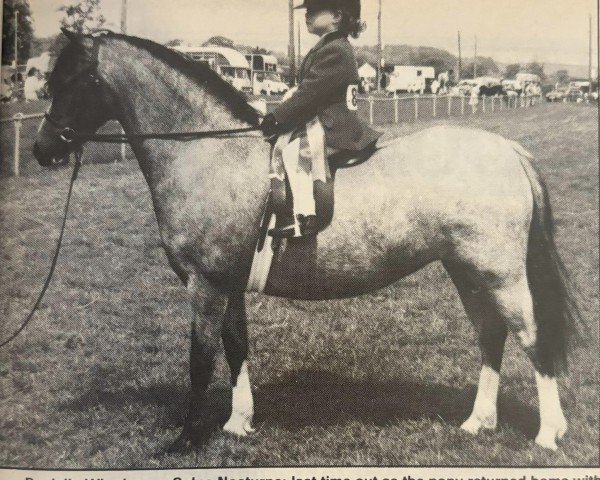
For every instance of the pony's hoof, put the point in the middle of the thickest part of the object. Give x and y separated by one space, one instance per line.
474 424
238 426
182 444
548 435
546 442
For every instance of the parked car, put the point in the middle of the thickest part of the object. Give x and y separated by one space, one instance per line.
269 83
556 95
574 95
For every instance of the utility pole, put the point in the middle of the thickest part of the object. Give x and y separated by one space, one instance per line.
291 47
475 60
15 89
16 39
590 58
299 45
379 50
123 31
124 16
459 60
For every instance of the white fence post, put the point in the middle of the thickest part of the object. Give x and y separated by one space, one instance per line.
18 119
434 106
123 149
462 105
449 105
493 104
416 106
371 115
396 113
483 98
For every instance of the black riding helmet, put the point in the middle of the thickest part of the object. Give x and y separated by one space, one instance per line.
350 7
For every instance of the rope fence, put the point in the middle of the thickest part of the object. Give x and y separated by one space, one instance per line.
396 109
375 110
17 121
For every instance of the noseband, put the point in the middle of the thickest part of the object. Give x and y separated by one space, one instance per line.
66 134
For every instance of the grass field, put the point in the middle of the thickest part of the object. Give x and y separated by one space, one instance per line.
100 379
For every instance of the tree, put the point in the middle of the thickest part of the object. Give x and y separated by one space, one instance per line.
512 70
220 41
83 16
537 69
176 42
486 67
24 32
562 76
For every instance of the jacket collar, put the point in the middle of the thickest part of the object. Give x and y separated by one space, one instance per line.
327 38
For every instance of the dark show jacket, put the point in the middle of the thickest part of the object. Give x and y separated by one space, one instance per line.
326 72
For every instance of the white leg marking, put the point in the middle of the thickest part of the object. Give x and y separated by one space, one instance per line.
553 424
242 405
485 408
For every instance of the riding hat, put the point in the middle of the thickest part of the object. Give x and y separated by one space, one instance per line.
351 7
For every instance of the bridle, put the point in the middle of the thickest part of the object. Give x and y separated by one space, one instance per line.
66 134
69 135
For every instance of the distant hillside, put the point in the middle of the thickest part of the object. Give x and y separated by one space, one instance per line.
550 69
441 60
575 71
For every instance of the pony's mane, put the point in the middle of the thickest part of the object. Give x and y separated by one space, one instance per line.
199 73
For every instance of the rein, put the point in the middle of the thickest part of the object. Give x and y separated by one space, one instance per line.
78 154
69 135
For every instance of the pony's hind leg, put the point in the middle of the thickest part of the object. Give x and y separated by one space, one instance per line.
235 341
492 332
513 301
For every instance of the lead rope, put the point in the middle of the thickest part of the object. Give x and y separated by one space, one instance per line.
78 154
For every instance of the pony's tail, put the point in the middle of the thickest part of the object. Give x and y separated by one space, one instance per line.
556 313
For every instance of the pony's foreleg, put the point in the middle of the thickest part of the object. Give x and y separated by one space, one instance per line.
208 306
235 341
492 333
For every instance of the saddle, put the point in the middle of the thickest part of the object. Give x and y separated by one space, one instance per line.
280 200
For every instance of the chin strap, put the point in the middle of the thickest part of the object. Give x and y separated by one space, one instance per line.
78 155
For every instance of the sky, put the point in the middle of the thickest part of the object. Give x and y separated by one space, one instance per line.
548 31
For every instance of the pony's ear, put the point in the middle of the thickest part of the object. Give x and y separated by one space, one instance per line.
86 41
72 36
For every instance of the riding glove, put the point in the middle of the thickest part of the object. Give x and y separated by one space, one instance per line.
269 126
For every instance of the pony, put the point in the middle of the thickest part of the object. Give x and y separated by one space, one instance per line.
467 198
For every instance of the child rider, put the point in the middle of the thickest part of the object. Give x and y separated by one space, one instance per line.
325 102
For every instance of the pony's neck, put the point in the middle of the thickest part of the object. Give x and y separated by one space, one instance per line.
153 96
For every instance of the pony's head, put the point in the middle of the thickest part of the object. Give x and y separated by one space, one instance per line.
80 101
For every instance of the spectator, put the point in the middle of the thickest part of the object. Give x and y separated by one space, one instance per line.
33 84
474 100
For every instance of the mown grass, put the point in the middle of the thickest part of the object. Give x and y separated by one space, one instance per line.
100 380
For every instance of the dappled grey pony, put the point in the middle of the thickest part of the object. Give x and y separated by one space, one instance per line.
467 198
